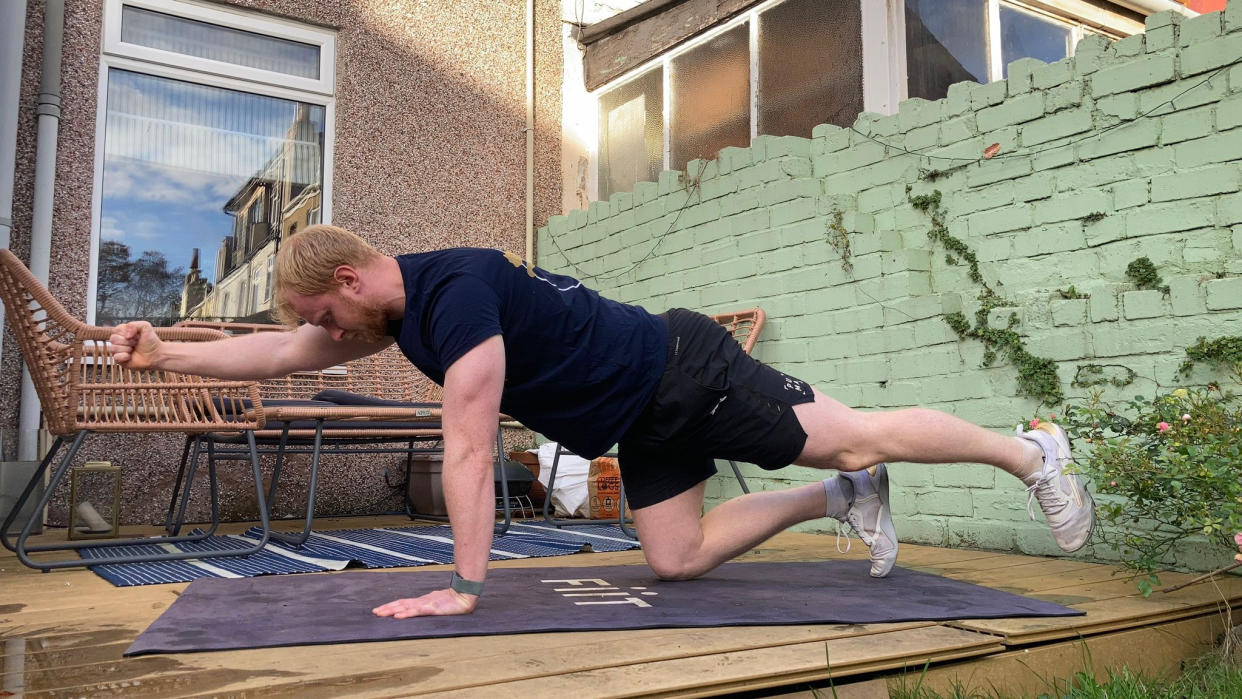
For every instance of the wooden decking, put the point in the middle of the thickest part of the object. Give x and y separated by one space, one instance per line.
63 633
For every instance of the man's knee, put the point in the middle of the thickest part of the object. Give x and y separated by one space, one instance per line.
674 568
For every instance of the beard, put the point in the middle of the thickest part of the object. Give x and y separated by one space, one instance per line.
372 321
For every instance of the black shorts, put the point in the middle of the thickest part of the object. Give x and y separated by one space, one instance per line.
714 401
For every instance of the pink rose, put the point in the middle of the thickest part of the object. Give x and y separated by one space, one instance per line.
1163 427
1034 423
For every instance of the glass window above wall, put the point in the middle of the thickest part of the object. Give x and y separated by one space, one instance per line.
810 66
946 43
631 133
949 41
710 101
1028 35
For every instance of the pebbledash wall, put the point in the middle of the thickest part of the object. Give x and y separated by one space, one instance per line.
1095 169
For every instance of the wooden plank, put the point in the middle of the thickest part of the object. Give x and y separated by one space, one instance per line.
751 669
435 663
1157 648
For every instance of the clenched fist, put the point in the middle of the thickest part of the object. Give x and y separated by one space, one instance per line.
135 345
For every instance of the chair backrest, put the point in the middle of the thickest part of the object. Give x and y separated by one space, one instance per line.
79 385
745 326
47 335
386 374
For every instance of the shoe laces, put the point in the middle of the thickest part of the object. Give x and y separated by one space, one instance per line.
1052 499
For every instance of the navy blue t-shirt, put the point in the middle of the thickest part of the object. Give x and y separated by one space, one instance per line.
578 367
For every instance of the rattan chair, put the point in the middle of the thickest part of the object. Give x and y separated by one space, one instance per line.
745 327
382 414
83 392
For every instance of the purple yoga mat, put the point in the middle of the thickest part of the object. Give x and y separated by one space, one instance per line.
290 610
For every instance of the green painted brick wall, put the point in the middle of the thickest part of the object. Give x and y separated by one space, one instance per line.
1126 150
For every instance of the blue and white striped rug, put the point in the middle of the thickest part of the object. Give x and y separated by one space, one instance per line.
336 549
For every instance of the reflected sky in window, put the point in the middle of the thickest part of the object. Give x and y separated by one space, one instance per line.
175 154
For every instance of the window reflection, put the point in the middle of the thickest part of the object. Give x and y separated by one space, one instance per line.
200 185
1025 35
946 43
711 97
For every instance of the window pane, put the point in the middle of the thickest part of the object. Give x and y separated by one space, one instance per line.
810 66
1025 35
194 38
946 43
711 97
631 134
199 185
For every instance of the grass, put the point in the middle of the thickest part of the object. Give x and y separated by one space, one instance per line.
1210 677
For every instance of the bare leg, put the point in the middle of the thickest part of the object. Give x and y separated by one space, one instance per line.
850 440
679 545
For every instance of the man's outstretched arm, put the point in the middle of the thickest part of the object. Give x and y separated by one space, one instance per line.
254 356
472 388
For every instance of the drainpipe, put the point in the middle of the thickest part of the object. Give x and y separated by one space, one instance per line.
44 198
12 38
530 132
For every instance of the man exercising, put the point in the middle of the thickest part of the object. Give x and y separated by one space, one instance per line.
674 391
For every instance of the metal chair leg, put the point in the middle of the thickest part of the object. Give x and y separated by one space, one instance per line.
35 479
296 540
738 472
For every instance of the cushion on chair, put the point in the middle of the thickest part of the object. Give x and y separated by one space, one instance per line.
339 397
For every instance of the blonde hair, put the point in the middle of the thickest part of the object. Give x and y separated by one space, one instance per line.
307 262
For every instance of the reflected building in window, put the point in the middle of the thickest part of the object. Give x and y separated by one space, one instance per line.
283 197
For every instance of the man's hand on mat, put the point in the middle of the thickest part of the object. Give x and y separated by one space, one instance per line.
438 603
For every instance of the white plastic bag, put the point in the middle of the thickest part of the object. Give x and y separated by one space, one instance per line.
569 497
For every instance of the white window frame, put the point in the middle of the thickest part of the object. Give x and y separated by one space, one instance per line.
165 64
223 16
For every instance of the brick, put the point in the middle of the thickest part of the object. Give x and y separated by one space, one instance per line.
1046 239
1068 311
983 536
1073 205
1013 111
748 222
825 138
744 200
922 137
1131 193
1196 31
1132 45
1091 54
1232 17
1064 96
959 129
1186 297
1170 217
945 502
1146 303
1183 94
1018 75
963 476
1006 218
1139 134
1161 39
983 96
1134 75
959 100
1207 246
1228 114
1223 294
1216 179
990 171
1219 148
1102 306
1229 212
1052 74
778 192
1124 106
1057 126
916 112
791 211
716 187
765 147
1186 125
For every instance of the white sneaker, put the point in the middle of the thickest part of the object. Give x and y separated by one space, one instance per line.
1067 505
871 518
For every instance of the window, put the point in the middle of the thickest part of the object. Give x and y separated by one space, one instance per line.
781 68
207 114
949 41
